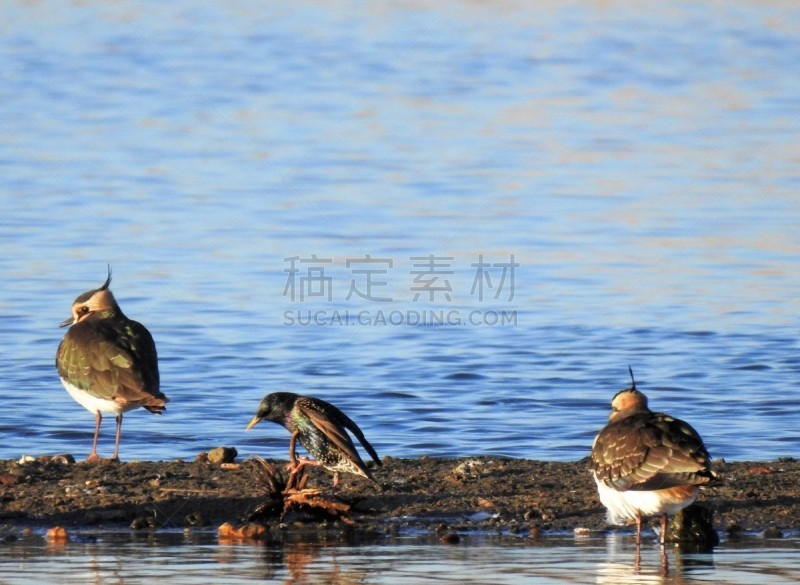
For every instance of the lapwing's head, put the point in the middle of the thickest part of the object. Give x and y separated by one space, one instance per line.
628 401
92 302
274 407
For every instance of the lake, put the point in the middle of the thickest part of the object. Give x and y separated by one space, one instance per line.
196 557
460 222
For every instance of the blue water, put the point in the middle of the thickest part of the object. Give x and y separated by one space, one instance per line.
198 558
636 161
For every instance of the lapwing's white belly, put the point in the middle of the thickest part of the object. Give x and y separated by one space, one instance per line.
94 404
623 507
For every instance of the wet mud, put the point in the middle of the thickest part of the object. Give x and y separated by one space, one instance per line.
447 496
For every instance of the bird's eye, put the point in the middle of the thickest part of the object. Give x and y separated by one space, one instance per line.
84 310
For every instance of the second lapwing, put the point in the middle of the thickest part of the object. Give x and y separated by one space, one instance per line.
647 463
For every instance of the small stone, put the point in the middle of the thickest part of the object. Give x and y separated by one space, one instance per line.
57 534
693 526
532 514
250 531
8 479
63 459
222 455
468 470
450 538
582 531
143 523
734 530
772 532
254 531
195 519
201 458
25 459
535 532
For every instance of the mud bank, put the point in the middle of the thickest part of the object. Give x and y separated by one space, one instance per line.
485 493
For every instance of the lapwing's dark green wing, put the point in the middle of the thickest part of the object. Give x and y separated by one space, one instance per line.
331 422
113 361
649 452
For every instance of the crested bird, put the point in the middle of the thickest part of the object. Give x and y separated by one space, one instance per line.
647 463
321 428
107 362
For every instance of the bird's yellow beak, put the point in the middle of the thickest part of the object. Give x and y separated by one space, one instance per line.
253 423
67 322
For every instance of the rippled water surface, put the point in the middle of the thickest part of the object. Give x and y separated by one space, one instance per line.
197 558
332 198
598 185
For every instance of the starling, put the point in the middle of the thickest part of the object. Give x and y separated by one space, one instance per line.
320 428
647 463
107 362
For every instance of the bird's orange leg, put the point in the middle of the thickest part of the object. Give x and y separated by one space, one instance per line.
638 529
295 463
93 456
664 560
116 441
292 456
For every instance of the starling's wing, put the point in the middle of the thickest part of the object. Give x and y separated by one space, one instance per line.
650 451
348 423
112 361
330 420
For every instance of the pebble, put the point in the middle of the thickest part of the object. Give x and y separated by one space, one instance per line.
8 479
57 534
195 519
249 531
467 470
222 455
450 538
63 459
772 532
481 516
144 522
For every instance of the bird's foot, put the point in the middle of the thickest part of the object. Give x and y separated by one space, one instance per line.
299 463
95 458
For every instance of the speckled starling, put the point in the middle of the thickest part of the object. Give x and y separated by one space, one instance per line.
320 428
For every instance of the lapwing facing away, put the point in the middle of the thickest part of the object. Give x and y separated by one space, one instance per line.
321 429
107 362
647 463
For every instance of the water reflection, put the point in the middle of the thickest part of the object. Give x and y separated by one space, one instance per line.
649 564
196 558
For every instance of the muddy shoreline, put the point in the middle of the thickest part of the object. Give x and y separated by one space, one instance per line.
516 496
